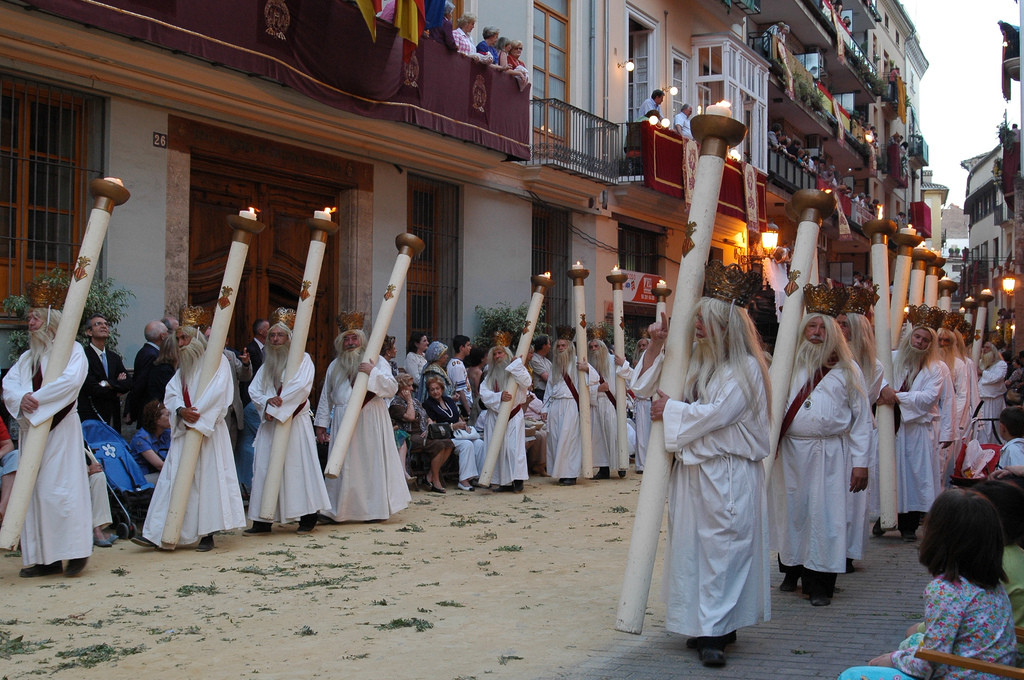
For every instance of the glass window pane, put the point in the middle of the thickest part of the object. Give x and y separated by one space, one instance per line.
9 112
556 89
52 130
50 186
556 64
560 6
538 84
8 178
557 33
539 48
539 23
49 236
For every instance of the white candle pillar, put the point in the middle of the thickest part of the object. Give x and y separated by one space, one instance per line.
106 194
981 327
715 133
931 279
918 268
408 246
578 275
617 278
878 231
905 240
320 226
947 287
540 286
661 293
809 207
243 227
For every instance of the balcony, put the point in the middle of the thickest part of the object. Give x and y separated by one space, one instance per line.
917 150
575 141
788 174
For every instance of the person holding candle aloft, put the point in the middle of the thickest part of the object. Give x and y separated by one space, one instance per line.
603 420
58 523
561 403
511 469
716 561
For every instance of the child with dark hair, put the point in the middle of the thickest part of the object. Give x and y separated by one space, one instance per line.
1008 497
1011 431
967 611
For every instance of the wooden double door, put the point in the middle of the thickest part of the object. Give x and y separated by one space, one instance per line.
276 260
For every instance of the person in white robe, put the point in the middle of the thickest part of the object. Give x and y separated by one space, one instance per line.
951 357
603 419
371 486
511 470
561 403
58 521
214 499
303 494
919 381
716 561
641 409
824 450
992 391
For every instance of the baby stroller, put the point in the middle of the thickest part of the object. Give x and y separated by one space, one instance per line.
127 487
963 477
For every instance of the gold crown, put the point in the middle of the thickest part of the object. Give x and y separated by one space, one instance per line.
730 284
46 294
350 321
860 300
822 299
965 328
283 315
952 320
502 339
596 333
924 316
645 334
566 332
197 317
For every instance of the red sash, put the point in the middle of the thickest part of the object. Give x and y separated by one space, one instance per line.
37 382
572 389
802 395
611 397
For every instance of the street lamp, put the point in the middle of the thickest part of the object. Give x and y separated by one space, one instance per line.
770 239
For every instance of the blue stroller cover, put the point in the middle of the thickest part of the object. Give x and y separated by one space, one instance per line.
111 450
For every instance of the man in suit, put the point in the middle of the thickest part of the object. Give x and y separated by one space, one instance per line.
244 449
155 333
260 328
107 379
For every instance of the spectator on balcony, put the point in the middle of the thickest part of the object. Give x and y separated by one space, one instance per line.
682 122
465 26
510 61
773 136
894 76
652 105
443 33
487 45
794 149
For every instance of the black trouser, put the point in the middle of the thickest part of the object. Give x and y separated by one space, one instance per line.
814 582
907 522
715 641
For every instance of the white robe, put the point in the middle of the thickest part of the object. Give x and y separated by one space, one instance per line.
372 484
58 522
302 484
716 562
947 426
917 440
857 503
511 465
992 391
604 424
214 500
830 434
565 456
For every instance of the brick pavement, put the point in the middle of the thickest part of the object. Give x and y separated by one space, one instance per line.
868 616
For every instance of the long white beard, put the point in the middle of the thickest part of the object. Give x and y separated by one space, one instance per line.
39 345
275 358
909 362
811 356
563 363
189 361
496 375
347 365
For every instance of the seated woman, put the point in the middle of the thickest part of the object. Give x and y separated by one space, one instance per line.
152 440
441 408
407 413
967 611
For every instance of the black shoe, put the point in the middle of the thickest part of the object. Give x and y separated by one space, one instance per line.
603 473
691 643
41 570
877 529
75 566
517 486
790 583
709 656
908 536
258 528
307 523
567 481
849 566
820 600
206 544
143 541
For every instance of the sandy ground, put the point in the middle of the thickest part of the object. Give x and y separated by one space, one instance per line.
496 585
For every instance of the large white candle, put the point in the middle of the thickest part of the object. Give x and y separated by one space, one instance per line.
918 269
661 293
320 229
879 230
540 285
947 287
409 245
243 228
617 278
981 327
905 240
578 274
716 133
106 193
931 279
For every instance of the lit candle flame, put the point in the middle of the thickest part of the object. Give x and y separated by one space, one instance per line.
254 210
615 268
661 283
330 211
725 102
547 275
881 211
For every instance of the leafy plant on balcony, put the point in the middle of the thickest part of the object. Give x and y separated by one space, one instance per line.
1006 136
807 92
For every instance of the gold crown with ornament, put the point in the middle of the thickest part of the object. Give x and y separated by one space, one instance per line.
502 339
923 316
965 328
46 294
645 334
823 299
952 320
730 283
860 300
565 332
194 316
283 315
596 333
350 321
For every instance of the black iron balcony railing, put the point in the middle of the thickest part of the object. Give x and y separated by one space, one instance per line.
574 140
918 148
789 174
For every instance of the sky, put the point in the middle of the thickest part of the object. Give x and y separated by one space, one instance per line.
961 100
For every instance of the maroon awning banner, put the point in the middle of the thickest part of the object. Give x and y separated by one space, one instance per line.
662 160
324 50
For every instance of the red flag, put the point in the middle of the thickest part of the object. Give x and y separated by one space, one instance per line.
409 20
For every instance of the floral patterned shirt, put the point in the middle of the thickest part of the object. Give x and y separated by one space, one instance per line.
966 620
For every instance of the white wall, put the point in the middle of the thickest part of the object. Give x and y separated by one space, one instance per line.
134 251
390 218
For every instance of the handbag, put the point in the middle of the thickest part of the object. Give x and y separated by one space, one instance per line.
439 431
